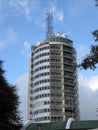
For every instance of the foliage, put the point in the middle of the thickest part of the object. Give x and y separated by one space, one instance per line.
91 60
9 114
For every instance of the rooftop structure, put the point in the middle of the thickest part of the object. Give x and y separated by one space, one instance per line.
75 125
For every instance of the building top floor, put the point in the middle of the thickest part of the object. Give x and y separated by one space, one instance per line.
55 39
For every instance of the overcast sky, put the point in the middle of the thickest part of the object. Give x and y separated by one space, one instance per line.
22 24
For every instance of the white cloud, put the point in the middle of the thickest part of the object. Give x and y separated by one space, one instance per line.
81 51
88 97
8 37
91 82
3 14
26 49
88 100
58 14
22 86
27 45
25 7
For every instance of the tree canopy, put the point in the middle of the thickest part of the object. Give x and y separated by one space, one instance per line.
91 60
9 114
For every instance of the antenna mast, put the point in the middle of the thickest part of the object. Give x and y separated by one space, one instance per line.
49 27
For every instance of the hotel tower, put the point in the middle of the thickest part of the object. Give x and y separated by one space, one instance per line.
53 85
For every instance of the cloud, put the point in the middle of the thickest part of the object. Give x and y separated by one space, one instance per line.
8 37
3 13
25 7
26 49
58 14
91 82
82 51
22 86
88 99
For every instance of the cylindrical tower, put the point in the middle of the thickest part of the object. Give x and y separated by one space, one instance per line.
53 81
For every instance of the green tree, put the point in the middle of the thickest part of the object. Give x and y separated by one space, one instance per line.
9 114
91 60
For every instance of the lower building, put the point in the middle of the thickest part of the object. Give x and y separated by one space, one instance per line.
68 125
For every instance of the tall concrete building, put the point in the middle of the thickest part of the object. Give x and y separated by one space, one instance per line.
53 85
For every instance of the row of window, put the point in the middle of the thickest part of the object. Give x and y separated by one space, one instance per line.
41 61
41 74
55 60
68 50
47 67
54 54
69 89
46 54
55 47
47 60
47 81
41 55
38 104
41 81
41 49
41 89
60 39
59 118
42 118
69 104
47 47
56 95
41 111
56 103
48 73
56 110
55 67
47 88
67 96
41 68
47 95
41 96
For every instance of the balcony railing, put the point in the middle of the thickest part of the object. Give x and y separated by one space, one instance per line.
69 57
57 113
69 90
69 69
69 83
69 77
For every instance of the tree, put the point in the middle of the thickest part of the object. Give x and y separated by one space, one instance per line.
9 114
91 60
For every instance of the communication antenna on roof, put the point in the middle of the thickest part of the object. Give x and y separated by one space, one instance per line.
67 34
49 27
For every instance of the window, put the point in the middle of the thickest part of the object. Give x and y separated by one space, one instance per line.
41 48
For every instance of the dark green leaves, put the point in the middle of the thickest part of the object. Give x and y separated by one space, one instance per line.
9 114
